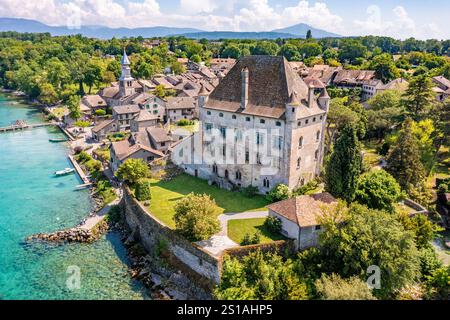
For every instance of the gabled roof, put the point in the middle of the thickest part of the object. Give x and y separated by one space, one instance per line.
144 115
159 135
176 103
303 210
123 149
129 108
102 125
442 81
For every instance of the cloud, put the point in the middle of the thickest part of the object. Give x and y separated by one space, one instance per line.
401 26
237 15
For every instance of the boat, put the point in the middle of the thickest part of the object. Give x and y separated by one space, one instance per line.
57 140
64 172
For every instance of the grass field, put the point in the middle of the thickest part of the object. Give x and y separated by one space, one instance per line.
165 194
237 229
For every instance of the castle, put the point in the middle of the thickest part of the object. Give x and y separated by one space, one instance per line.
261 126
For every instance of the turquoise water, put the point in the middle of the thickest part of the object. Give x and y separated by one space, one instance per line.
32 200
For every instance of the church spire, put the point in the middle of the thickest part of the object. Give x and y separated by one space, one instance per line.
125 61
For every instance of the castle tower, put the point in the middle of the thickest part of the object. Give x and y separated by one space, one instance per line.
125 80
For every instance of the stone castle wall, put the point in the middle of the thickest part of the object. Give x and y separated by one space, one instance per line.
183 255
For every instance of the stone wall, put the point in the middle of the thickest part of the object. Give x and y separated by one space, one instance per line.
181 254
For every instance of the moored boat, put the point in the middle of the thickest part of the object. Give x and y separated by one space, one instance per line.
64 172
57 140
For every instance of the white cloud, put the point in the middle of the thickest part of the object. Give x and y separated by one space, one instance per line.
401 26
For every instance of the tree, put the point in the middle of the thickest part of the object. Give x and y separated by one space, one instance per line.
259 276
385 99
178 68
308 35
160 91
404 161
354 240
142 190
231 51
290 52
132 170
335 288
345 166
48 94
378 190
73 104
310 49
419 97
385 68
352 50
196 217
279 193
439 283
266 48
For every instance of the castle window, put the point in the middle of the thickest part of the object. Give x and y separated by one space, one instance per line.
262 121
299 162
306 121
221 115
247 157
215 169
259 138
233 116
247 119
238 175
266 183
227 174
223 132
299 123
317 135
208 127
238 135
321 117
300 142
278 124
208 113
314 119
278 142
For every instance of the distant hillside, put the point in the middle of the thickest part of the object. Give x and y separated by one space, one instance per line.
301 29
24 25
101 32
216 35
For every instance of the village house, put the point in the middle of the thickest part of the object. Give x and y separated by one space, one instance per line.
373 87
352 78
144 119
93 102
442 88
300 217
324 73
126 149
178 108
124 114
103 129
261 105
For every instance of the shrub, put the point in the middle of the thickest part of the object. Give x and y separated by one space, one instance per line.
250 191
114 214
196 217
279 193
93 165
335 288
142 190
307 188
444 186
249 240
273 224
100 112
83 157
77 150
185 122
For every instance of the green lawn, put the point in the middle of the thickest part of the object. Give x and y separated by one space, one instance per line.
238 228
166 193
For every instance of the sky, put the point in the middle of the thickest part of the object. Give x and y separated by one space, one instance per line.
400 19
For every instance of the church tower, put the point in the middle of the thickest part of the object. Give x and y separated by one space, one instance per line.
126 80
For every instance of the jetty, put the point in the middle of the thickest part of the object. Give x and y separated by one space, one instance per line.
80 171
22 125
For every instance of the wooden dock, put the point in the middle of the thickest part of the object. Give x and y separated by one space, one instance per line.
25 126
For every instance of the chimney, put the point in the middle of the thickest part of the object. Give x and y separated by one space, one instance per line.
310 95
244 97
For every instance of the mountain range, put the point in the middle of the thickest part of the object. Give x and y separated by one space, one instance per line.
102 32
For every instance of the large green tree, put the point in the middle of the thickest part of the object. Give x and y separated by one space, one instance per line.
419 98
377 189
132 170
354 240
344 166
404 161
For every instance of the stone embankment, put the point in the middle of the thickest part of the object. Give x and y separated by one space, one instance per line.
77 234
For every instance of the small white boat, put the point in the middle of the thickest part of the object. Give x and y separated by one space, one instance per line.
64 172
